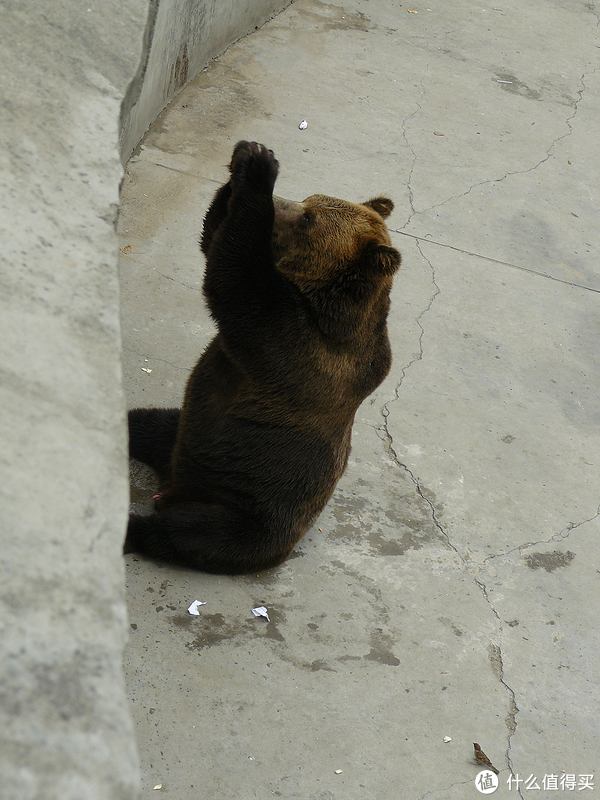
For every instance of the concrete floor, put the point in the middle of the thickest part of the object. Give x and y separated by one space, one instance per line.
451 587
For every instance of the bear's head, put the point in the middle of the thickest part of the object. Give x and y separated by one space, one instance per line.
340 257
324 240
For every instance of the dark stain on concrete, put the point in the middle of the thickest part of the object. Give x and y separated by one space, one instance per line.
510 83
348 21
390 527
549 561
456 631
182 620
386 547
326 17
273 632
343 659
214 629
547 91
381 649
319 664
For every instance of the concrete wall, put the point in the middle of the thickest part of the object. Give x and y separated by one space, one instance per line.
181 38
72 75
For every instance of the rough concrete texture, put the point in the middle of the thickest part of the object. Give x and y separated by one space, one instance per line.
182 37
65 726
451 586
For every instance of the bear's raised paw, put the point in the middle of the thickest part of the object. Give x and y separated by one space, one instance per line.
253 166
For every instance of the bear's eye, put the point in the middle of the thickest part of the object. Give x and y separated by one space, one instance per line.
305 220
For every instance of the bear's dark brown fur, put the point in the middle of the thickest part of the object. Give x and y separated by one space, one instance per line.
300 295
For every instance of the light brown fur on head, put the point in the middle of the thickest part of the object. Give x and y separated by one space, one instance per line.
320 238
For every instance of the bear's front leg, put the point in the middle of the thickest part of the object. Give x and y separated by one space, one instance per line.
215 215
241 283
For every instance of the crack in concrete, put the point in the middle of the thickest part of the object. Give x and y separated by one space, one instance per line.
494 649
385 411
414 158
491 181
572 526
419 356
496 660
388 441
561 536
408 144
593 9
413 213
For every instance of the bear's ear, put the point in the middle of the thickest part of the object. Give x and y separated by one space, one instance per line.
382 259
381 205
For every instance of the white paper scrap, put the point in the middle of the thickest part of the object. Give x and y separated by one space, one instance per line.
261 611
193 609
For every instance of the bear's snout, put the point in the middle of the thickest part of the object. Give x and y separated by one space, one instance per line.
286 211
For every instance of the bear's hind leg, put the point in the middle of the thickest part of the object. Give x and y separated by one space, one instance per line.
205 536
152 433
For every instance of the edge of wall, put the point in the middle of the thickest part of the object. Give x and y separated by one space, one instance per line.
65 728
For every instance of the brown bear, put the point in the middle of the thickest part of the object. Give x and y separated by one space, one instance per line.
300 295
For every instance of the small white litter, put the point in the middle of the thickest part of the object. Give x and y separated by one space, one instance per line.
447 739
193 609
261 611
303 125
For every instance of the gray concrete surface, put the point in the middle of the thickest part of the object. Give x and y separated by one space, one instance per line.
450 588
180 39
65 727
